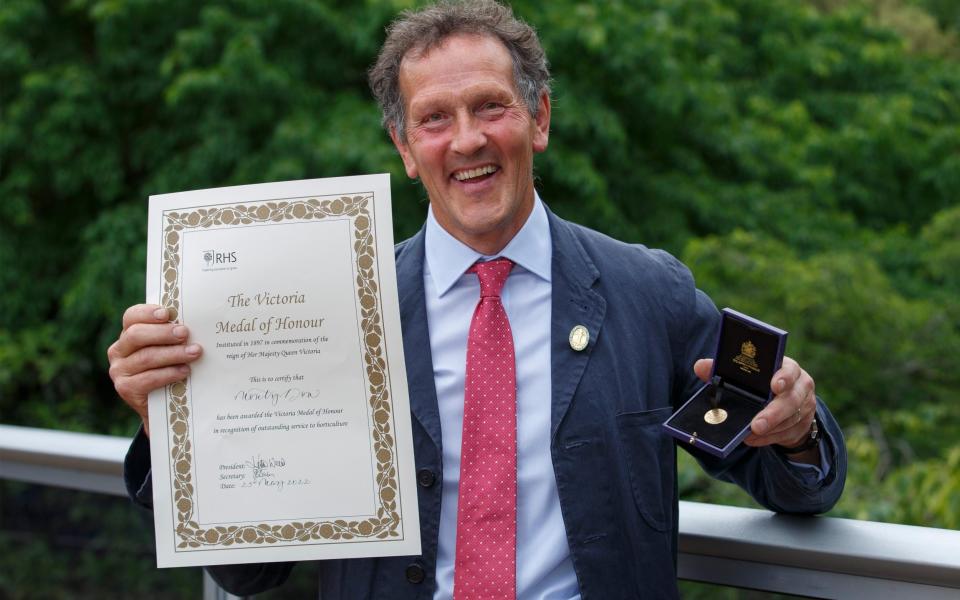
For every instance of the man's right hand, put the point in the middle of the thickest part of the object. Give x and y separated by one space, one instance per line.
150 353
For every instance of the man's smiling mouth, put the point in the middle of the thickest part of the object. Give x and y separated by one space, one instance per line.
469 174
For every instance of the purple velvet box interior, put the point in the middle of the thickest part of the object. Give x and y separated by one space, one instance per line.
748 353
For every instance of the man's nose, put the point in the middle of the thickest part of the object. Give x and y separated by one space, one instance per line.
468 136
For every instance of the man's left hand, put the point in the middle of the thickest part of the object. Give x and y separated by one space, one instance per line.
786 419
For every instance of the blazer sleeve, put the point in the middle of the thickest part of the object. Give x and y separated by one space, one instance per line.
762 472
240 580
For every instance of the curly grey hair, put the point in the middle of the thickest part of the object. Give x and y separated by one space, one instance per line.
422 30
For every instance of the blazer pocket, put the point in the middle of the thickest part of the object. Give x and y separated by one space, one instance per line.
650 463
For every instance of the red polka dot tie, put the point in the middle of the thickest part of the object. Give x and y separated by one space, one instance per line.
486 555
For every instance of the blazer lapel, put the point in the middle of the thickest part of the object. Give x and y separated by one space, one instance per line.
574 303
416 337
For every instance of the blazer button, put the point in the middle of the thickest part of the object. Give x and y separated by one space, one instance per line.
415 573
426 478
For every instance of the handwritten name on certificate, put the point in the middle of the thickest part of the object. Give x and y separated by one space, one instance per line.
290 439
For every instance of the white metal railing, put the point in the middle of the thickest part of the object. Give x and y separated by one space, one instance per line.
821 557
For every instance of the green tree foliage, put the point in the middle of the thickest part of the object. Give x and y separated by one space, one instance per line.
926 26
105 103
802 157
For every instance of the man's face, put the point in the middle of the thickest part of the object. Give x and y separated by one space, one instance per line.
471 139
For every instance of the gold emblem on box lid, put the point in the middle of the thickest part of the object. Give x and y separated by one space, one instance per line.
747 359
715 416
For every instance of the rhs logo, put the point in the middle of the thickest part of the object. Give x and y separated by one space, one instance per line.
213 258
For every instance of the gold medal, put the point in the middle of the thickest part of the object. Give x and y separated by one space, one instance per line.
715 416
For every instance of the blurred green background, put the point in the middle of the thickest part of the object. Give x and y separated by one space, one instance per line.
801 156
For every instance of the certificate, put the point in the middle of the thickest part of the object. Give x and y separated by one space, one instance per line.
290 439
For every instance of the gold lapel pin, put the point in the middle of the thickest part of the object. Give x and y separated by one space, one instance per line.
579 338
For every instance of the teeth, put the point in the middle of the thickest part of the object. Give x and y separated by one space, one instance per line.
471 173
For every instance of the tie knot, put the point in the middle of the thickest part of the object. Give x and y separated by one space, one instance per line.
492 275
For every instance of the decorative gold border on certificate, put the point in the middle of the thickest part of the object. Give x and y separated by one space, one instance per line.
387 519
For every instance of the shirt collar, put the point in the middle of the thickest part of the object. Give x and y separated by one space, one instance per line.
447 258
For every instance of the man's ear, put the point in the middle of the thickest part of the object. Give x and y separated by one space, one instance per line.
404 150
541 124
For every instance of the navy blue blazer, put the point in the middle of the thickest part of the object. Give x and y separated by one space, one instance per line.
615 469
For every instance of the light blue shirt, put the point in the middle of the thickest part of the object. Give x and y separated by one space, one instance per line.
544 569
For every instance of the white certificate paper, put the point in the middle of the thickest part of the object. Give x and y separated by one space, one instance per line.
291 438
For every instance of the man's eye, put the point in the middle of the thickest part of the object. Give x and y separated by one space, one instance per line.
432 120
492 106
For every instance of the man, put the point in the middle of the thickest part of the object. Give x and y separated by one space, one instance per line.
589 480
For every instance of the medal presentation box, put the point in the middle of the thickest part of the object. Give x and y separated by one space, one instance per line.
718 416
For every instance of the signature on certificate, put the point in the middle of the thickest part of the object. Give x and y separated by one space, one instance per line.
263 468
